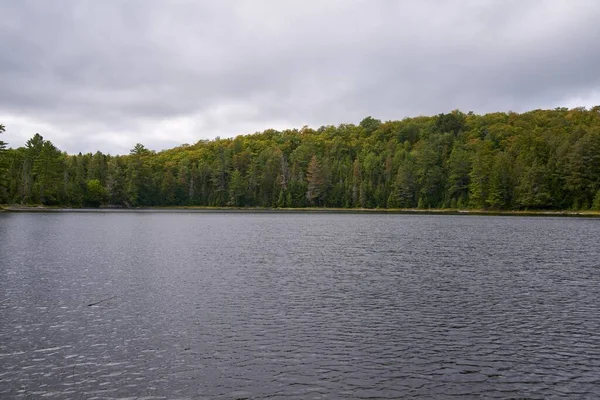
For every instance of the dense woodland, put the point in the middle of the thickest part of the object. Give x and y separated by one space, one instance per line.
543 159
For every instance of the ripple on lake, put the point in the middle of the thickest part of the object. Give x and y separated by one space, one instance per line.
298 306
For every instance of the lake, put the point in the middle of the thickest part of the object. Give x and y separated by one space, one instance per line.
111 305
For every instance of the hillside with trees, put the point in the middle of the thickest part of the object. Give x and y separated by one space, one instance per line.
542 159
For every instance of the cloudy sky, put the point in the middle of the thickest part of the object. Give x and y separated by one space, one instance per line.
104 75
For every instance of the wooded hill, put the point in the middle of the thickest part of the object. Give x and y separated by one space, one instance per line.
543 159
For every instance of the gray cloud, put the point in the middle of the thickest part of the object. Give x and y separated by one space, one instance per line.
105 75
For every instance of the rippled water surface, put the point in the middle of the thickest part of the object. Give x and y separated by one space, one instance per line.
307 306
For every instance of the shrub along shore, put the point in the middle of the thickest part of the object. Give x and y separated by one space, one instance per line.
308 210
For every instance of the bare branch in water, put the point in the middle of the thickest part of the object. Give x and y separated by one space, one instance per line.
101 301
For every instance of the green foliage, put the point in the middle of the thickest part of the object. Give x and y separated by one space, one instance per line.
501 183
3 169
596 203
459 173
480 175
316 182
370 125
2 144
237 189
536 160
95 193
453 122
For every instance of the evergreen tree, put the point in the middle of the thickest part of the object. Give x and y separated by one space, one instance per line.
459 175
4 179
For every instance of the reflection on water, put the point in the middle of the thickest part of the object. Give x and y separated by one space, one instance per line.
232 306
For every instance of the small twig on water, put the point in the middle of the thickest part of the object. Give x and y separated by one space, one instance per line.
101 301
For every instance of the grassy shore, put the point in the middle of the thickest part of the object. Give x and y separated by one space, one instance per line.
42 208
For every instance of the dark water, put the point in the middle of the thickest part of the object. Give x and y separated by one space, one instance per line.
298 306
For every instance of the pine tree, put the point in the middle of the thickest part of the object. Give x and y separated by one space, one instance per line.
4 182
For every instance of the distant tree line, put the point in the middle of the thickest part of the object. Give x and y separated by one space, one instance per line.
543 159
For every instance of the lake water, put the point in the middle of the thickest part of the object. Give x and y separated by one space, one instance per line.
307 306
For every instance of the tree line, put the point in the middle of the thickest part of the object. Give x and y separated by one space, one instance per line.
542 159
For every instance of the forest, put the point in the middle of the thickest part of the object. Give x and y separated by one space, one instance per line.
541 159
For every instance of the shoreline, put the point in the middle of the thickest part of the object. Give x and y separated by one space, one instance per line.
204 209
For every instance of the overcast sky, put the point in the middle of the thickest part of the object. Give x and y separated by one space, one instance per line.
104 75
